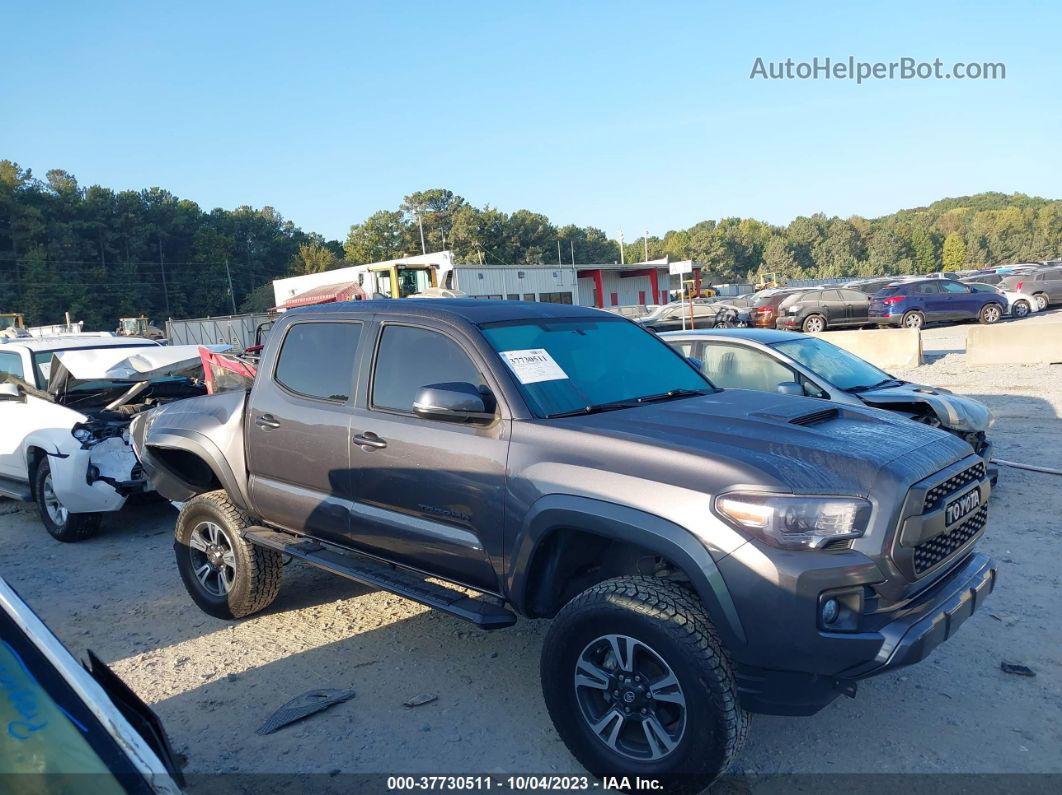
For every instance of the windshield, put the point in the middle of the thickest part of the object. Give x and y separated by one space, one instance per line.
569 364
836 365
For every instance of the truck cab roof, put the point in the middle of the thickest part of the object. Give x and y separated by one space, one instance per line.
470 310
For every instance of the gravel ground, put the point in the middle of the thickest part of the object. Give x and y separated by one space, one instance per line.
213 682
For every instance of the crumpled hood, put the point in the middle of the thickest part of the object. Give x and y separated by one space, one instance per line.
831 448
954 411
127 363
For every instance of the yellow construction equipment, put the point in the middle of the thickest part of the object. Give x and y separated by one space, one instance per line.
11 320
401 281
765 280
138 327
694 289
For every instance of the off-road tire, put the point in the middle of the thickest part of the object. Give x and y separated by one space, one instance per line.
989 314
673 622
813 324
257 571
1042 301
913 319
77 527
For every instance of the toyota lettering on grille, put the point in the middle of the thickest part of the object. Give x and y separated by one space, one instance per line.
958 509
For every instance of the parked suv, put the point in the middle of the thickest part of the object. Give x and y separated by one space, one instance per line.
813 311
764 309
912 304
1044 286
703 552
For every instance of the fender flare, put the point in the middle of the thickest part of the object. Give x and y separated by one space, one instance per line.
202 447
558 511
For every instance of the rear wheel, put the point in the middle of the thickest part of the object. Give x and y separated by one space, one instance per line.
1041 301
638 684
1020 309
227 576
57 518
814 324
990 313
914 319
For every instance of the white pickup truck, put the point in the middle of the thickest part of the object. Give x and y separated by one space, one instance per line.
65 407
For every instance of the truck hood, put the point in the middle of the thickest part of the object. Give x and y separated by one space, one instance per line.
132 364
803 445
954 411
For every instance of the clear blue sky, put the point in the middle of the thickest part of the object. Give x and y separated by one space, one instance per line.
624 115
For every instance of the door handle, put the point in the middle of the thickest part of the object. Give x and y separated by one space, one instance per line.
368 441
267 422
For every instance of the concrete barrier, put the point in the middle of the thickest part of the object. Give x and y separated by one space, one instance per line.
1014 343
889 349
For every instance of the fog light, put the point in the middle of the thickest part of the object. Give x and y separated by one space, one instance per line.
830 611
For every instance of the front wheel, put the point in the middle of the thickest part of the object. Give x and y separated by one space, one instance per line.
60 523
913 320
990 313
1041 301
226 575
637 684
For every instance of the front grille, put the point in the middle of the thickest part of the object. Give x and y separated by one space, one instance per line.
936 495
929 553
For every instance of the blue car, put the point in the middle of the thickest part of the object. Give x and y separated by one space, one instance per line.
912 304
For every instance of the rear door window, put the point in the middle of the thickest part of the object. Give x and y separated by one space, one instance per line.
317 359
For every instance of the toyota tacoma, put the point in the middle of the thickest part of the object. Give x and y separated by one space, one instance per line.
704 553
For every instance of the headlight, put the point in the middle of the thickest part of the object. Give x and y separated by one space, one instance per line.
796 522
83 434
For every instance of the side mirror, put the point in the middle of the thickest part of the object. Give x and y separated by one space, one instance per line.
9 391
455 402
695 362
790 388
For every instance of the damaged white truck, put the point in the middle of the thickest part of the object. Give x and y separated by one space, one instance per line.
65 408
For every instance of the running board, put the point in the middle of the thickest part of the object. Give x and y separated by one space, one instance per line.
369 571
15 489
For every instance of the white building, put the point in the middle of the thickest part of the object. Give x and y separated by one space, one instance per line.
602 285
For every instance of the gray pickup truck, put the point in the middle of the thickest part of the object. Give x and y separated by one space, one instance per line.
703 553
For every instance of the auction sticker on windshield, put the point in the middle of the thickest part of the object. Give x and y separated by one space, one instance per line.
533 365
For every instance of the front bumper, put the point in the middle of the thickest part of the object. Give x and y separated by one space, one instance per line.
89 481
922 625
925 625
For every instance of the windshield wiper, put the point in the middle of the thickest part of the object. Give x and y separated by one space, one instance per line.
629 403
879 385
671 395
595 408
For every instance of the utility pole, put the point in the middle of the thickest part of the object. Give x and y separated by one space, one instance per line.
162 265
232 295
623 260
558 252
420 223
646 238
572 245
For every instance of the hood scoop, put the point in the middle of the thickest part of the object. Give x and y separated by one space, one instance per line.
816 417
794 412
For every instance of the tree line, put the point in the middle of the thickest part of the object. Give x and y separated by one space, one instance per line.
101 254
